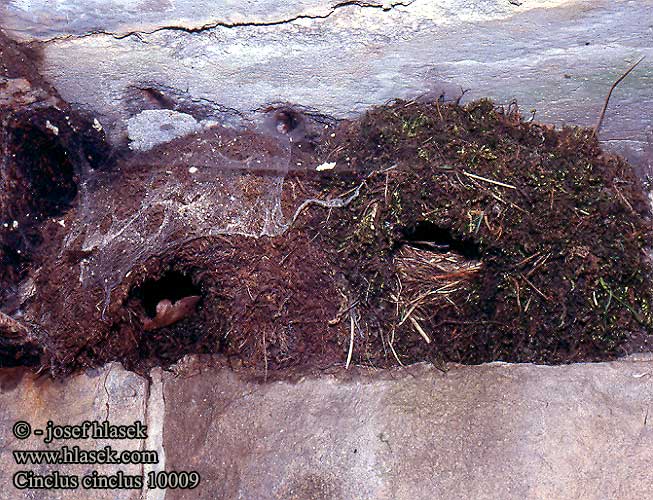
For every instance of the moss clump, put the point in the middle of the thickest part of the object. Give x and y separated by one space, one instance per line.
559 228
460 233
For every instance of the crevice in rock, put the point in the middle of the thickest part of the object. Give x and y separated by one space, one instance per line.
221 24
106 392
154 95
154 418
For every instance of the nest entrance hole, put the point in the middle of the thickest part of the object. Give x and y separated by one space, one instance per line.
433 270
172 285
429 237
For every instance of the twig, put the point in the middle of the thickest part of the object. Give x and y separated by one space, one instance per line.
539 263
413 307
341 313
392 347
437 107
420 330
517 289
535 288
607 99
333 203
285 257
527 259
462 94
351 340
478 177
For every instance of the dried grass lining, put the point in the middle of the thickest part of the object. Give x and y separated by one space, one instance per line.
428 279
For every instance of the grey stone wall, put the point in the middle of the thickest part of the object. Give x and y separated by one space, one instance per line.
496 431
227 59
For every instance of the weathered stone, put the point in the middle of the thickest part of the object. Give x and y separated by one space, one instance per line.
484 432
157 126
108 394
558 57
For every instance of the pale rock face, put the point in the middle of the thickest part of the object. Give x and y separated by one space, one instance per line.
107 393
230 59
486 432
157 126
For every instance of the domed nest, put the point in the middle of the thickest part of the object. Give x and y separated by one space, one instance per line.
479 237
421 231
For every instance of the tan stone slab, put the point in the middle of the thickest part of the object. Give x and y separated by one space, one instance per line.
486 432
495 431
111 394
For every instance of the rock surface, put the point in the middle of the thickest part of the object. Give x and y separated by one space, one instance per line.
227 59
109 393
157 126
483 432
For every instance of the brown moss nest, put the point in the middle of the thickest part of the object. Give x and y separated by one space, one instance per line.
462 234
479 237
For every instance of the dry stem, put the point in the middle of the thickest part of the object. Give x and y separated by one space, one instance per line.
607 98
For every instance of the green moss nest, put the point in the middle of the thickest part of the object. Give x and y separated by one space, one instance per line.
537 236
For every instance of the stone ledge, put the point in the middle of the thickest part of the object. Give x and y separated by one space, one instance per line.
484 432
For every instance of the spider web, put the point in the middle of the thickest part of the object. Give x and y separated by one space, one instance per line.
124 218
145 209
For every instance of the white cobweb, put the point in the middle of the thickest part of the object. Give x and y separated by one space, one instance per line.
123 218
129 215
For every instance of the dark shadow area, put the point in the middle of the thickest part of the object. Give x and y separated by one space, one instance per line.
172 286
44 169
427 236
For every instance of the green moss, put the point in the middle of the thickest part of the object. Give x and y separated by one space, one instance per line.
517 191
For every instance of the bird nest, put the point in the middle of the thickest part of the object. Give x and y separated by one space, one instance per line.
439 231
429 280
